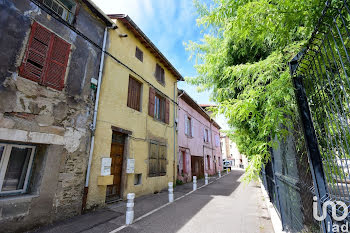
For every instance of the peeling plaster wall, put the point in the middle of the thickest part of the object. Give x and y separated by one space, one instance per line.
57 121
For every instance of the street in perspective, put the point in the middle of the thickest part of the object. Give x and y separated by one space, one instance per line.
174 116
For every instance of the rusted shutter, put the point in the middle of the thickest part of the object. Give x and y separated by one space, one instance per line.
57 63
152 94
36 54
167 106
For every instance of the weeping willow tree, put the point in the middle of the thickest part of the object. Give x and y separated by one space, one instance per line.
243 60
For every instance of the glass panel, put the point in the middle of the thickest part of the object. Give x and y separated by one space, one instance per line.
16 169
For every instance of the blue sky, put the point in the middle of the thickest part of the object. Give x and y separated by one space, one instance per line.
168 23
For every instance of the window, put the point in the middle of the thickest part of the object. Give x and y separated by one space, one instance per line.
64 8
188 126
208 162
158 106
46 58
160 74
157 159
15 166
206 136
134 94
139 54
217 140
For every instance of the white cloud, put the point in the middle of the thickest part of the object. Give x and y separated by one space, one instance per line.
168 23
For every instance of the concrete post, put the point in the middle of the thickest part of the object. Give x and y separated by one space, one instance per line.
130 209
206 178
194 183
219 174
171 191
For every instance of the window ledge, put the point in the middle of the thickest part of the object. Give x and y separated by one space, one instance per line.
19 198
155 119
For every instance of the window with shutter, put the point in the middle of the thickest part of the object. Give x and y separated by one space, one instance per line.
46 58
151 101
162 160
206 135
188 126
153 159
134 94
160 108
57 63
139 54
157 159
159 74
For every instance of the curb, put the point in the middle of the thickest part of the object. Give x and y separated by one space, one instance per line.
276 221
165 205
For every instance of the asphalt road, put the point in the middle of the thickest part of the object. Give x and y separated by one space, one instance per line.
226 205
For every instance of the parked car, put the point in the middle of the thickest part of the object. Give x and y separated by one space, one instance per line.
228 164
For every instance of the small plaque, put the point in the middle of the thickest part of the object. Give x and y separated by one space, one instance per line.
130 166
106 166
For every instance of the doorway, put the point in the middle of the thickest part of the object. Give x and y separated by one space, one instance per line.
113 191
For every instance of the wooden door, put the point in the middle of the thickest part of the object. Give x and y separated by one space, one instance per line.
117 150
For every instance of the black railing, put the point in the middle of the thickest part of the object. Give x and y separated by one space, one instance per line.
321 79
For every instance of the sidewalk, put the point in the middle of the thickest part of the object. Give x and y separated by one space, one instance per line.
225 205
113 215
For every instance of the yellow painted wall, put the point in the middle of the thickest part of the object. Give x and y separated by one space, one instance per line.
113 111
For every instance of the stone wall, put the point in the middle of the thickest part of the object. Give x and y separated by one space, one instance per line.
58 122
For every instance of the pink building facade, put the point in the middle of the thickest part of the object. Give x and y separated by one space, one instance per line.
199 149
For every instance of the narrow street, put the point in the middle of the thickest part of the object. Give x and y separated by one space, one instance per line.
225 205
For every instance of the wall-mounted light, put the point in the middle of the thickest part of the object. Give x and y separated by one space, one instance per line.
123 35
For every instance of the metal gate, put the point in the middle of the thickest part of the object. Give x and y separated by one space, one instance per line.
288 181
322 86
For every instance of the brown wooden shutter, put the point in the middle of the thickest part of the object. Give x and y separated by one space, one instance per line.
162 160
153 160
167 106
162 78
57 63
36 55
134 94
152 94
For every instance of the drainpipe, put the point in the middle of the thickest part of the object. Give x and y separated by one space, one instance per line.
175 100
211 143
93 126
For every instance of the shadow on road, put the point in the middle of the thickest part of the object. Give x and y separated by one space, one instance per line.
113 216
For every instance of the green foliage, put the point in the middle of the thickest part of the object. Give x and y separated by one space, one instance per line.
243 59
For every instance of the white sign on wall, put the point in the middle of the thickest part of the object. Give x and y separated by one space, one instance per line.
130 166
106 164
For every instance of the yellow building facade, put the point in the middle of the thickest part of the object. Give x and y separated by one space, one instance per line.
135 129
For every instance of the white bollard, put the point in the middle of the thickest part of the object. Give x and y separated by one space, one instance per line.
206 178
226 170
130 209
194 183
171 191
219 174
